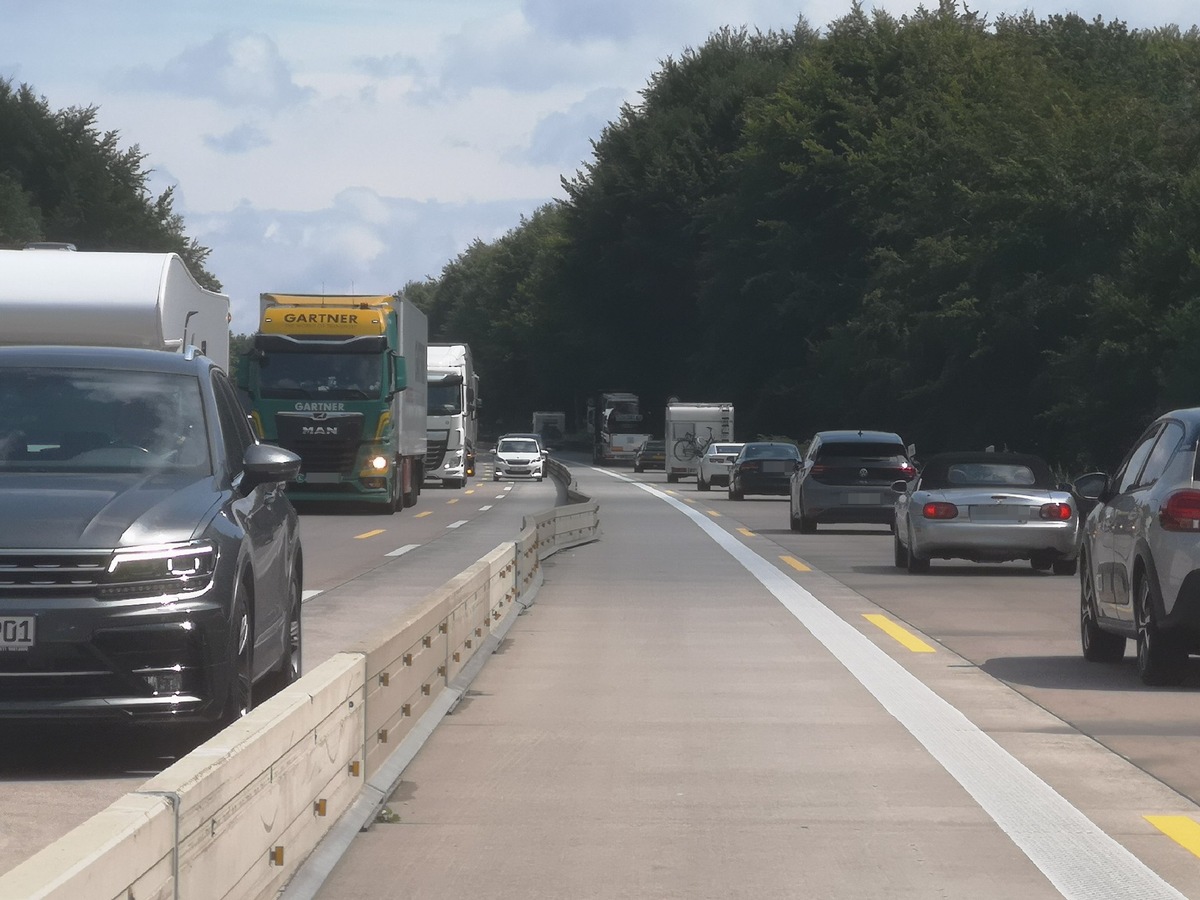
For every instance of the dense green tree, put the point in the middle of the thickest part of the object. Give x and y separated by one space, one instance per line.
63 179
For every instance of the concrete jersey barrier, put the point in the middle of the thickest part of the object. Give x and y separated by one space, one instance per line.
294 780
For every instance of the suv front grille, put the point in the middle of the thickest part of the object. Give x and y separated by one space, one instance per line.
52 573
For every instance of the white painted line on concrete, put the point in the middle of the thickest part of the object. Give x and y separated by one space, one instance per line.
1078 858
485 508
305 596
400 551
457 524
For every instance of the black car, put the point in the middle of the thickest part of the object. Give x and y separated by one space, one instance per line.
763 467
150 561
651 455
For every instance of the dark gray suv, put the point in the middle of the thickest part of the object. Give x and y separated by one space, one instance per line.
150 561
847 476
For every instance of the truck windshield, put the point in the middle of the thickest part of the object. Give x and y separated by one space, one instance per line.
325 376
107 420
445 399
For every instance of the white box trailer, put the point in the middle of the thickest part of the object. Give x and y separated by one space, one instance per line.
689 429
453 422
108 299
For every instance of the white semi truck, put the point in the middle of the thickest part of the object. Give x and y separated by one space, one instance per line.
689 429
551 427
452 425
108 299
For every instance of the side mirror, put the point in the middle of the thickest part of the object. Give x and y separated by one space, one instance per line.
900 487
265 463
1092 486
399 373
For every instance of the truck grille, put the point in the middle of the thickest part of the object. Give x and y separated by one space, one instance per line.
435 453
327 442
324 456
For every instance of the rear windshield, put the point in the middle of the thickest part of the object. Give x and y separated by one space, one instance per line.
771 451
861 450
107 420
960 473
725 448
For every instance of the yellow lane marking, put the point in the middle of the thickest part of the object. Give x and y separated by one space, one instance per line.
713 513
469 491
795 564
368 534
455 500
904 636
1181 829
746 531
422 515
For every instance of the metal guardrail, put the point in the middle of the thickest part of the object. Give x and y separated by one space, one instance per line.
294 780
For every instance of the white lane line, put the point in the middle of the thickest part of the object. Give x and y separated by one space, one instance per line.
457 524
485 508
305 596
400 551
1078 858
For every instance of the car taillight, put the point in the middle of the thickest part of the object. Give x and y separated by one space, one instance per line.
907 472
1055 512
939 510
748 466
1181 512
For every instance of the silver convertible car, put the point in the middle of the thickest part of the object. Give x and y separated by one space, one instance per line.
986 507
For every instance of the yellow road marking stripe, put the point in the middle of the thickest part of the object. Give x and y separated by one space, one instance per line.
455 500
903 635
368 534
422 515
713 513
1181 829
795 564
746 531
469 491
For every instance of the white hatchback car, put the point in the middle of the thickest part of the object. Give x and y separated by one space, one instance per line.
518 457
715 463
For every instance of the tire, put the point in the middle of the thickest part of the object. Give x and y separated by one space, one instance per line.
291 665
793 519
899 552
1041 563
395 497
702 485
1065 566
239 695
1098 645
637 469
1161 656
671 479
735 495
495 477
917 564
807 525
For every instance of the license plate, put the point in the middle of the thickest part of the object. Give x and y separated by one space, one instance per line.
16 632
1000 513
864 499
775 466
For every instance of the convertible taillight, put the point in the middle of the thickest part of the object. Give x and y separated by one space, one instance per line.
1181 512
939 510
1056 512
907 472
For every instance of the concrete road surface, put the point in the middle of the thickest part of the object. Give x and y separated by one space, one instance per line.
682 713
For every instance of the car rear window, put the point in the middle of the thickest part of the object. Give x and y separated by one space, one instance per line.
860 450
725 448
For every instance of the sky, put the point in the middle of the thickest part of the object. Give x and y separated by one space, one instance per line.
353 146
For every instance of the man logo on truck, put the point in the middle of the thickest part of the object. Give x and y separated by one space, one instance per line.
319 429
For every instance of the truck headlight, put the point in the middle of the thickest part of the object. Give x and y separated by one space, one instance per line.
379 463
180 570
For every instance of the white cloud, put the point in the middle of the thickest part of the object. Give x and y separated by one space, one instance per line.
240 139
235 69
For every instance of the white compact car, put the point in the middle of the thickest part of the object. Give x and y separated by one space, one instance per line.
715 464
518 457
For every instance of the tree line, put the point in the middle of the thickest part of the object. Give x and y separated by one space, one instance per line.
973 233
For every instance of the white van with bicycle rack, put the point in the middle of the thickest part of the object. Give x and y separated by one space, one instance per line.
689 429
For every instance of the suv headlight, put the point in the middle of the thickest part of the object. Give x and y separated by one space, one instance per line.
182 570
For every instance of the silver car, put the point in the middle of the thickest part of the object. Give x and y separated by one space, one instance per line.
715 464
986 507
1139 573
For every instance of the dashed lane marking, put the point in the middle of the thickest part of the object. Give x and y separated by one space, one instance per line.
457 524
422 515
400 551
795 564
746 531
903 635
368 534
1181 829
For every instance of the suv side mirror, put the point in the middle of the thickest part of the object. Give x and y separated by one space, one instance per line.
264 463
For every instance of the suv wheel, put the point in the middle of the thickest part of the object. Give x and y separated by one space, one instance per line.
1161 656
290 665
1098 645
239 694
